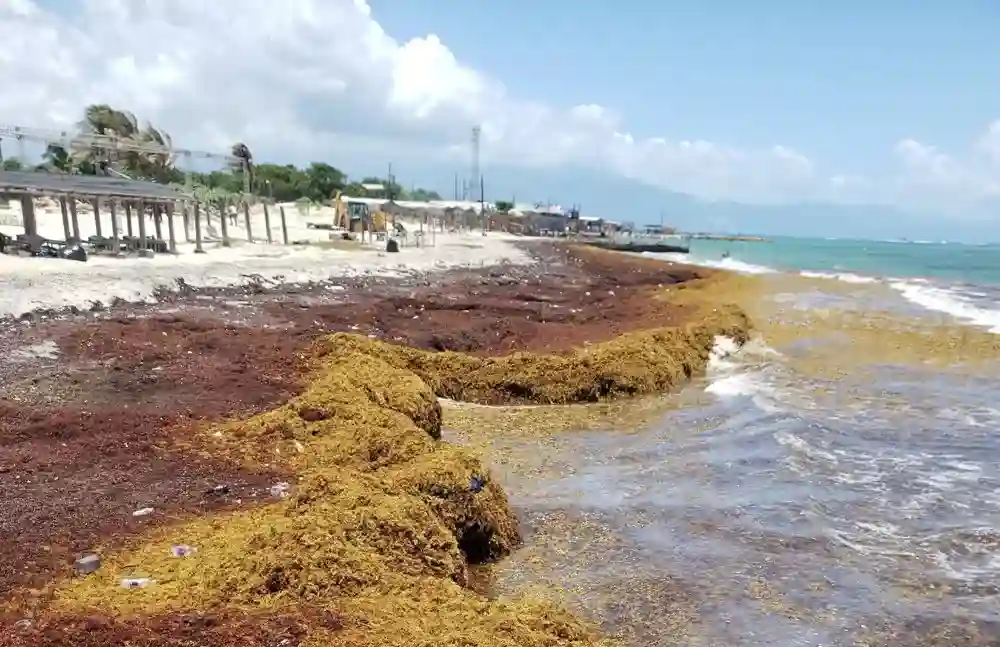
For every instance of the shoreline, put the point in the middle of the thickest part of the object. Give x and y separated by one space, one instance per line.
363 423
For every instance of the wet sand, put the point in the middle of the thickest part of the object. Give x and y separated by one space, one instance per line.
100 412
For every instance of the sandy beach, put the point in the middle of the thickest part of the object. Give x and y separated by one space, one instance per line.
42 285
261 461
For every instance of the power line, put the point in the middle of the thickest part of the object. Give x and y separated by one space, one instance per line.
106 142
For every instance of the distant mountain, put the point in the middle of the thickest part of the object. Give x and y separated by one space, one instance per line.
622 199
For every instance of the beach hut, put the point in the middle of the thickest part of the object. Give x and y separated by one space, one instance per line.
118 195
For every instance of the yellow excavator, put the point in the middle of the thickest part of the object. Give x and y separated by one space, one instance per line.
355 216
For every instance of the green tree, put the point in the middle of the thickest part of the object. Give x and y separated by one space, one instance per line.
283 182
423 195
12 164
101 120
323 181
90 151
503 206
57 159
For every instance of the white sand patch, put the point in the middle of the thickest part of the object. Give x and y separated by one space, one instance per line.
28 284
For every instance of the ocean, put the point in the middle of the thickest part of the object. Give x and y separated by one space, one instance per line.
952 278
834 482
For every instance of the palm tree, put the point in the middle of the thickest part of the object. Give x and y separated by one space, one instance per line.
101 130
244 163
155 166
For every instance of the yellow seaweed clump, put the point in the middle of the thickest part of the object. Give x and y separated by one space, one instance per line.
637 363
384 519
379 529
358 412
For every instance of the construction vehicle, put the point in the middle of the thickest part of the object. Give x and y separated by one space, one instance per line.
355 216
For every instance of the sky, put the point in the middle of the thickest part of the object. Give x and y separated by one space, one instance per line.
805 117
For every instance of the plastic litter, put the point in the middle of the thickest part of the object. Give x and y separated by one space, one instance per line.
477 483
143 512
135 582
87 564
182 550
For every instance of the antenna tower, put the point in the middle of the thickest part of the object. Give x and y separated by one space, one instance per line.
474 184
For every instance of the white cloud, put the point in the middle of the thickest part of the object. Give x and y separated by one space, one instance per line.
320 79
305 79
932 178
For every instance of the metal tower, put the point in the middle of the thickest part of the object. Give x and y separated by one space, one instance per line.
474 176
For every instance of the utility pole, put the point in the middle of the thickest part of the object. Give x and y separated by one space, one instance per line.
475 177
482 203
388 183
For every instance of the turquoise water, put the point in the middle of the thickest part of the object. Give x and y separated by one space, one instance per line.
793 498
951 262
961 281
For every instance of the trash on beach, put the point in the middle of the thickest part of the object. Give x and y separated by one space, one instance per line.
219 489
87 564
23 625
279 489
143 512
182 550
135 582
477 483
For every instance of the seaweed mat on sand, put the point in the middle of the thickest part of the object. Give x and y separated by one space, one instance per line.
384 519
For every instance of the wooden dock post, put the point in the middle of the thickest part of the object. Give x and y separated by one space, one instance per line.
157 210
115 236
197 229
267 224
28 218
74 218
284 225
97 217
246 217
64 208
169 210
186 218
128 220
143 243
225 224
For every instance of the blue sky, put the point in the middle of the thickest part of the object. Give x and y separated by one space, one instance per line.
840 118
842 81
